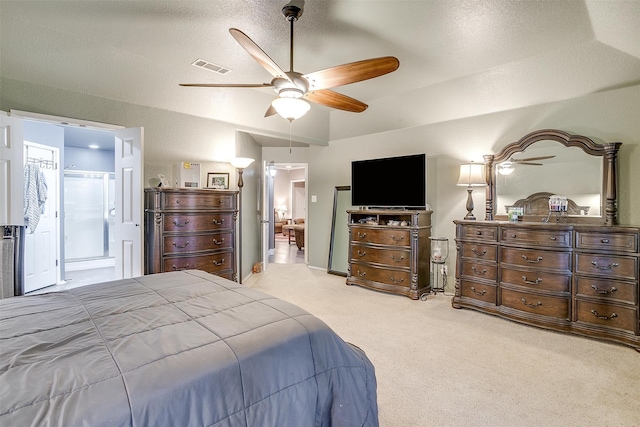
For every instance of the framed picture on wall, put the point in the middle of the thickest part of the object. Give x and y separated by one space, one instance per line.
218 180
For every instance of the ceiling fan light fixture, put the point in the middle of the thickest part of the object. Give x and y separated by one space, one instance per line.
290 108
505 169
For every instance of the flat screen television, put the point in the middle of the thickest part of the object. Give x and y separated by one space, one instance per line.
392 182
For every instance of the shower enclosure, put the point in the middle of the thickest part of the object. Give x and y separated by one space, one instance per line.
89 215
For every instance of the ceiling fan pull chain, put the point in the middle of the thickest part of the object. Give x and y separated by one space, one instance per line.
290 125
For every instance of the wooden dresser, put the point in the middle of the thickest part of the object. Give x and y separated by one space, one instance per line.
575 278
390 258
190 229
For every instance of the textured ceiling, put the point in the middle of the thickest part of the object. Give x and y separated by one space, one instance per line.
457 58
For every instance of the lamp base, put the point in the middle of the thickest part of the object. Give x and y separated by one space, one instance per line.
469 216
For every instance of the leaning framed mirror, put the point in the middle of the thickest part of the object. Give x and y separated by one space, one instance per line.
339 243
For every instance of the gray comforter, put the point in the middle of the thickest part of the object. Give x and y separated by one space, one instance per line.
176 349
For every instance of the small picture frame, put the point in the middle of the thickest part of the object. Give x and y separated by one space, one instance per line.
218 180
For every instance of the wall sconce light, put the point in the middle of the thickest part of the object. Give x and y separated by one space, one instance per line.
471 175
240 163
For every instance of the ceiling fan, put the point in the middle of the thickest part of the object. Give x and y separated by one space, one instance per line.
506 168
294 88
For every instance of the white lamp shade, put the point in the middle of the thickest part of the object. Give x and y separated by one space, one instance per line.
472 175
241 162
291 108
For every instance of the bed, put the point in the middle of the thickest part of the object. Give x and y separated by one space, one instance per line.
176 349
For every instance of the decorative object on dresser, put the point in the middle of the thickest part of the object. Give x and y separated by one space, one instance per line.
218 180
471 175
190 229
389 250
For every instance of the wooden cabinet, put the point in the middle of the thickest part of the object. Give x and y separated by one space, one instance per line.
575 278
389 250
190 229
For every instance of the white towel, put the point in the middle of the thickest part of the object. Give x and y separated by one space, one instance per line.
35 195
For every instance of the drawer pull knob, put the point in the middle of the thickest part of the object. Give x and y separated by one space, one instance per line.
475 251
396 282
475 270
177 224
397 239
362 273
473 289
218 263
479 233
216 222
535 282
361 254
524 301
215 241
605 240
361 235
553 238
181 247
397 259
513 236
532 261
177 201
179 268
595 313
604 267
603 291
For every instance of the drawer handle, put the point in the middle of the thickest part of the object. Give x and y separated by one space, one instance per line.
361 254
475 270
215 241
181 247
401 258
396 282
553 238
218 263
603 291
177 201
475 251
605 240
532 261
479 233
362 273
361 235
524 301
595 313
605 267
177 224
216 222
473 289
535 282
513 236
177 269
397 239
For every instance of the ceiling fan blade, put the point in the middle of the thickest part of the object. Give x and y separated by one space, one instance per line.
270 111
352 72
336 100
258 54
528 163
533 158
226 85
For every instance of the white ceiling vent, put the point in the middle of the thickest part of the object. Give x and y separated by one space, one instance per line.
201 63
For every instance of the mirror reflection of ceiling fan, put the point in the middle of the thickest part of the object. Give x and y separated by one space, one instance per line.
506 168
295 89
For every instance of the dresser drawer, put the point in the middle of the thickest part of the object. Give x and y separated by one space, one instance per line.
479 291
197 222
621 267
613 316
536 280
543 305
536 258
387 256
547 238
210 263
480 271
479 232
197 242
605 289
379 236
381 275
479 252
199 201
624 242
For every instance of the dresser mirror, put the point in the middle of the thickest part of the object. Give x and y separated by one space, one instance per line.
339 243
526 173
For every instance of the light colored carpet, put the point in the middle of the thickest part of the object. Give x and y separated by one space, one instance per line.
438 366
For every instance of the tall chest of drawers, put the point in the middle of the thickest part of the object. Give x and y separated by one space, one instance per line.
574 278
190 229
389 251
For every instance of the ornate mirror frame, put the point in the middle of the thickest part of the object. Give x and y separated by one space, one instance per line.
608 152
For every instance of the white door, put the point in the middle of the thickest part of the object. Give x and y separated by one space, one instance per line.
264 216
129 212
41 245
11 170
298 195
